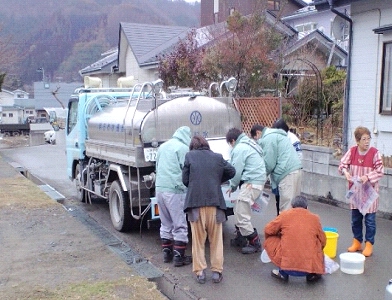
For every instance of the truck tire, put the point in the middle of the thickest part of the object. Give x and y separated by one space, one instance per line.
81 194
120 212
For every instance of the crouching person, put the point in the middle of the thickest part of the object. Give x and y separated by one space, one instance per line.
294 241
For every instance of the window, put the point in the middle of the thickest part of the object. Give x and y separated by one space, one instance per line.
72 115
4 115
10 115
306 27
386 81
273 4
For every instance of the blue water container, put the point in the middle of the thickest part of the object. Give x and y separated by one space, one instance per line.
330 229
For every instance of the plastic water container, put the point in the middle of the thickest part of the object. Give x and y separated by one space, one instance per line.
331 229
332 243
388 291
352 263
264 257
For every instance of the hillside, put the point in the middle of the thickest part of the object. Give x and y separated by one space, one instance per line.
64 36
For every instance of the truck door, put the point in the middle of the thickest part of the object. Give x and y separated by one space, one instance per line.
74 137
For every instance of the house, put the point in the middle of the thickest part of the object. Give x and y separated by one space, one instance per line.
309 19
217 11
140 45
52 96
105 68
369 86
137 54
308 57
15 106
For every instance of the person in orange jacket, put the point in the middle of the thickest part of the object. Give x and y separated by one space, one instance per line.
294 242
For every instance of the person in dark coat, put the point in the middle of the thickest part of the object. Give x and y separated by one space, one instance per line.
203 173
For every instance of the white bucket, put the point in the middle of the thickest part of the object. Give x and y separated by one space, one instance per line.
352 263
264 257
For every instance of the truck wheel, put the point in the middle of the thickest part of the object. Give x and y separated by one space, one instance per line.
120 212
80 193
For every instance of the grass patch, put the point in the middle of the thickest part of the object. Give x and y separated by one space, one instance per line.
19 192
131 288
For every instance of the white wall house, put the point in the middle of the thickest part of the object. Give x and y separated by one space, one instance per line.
15 107
140 46
105 69
309 19
137 54
370 83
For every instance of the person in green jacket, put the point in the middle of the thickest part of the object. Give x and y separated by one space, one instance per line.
170 194
247 159
281 162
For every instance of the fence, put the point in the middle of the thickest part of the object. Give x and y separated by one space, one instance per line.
263 111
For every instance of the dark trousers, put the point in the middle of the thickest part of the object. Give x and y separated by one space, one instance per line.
357 225
292 273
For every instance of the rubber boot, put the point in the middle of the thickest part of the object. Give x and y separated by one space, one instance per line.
167 249
277 199
180 259
239 240
356 246
368 249
254 244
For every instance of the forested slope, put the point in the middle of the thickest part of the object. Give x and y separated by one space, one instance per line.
64 36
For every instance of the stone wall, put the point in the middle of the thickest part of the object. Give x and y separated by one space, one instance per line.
322 182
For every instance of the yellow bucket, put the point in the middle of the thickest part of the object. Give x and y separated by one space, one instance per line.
332 243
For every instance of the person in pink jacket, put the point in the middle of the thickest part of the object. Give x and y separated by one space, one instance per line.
362 165
294 242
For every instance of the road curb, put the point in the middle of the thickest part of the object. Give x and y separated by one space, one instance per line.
165 284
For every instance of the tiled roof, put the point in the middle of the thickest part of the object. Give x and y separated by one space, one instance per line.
147 41
104 64
324 42
44 97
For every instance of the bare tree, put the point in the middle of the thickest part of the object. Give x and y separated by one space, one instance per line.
182 67
245 51
54 93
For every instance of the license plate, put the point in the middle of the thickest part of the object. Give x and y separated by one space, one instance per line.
150 154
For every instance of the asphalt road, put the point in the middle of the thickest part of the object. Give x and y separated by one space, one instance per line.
245 276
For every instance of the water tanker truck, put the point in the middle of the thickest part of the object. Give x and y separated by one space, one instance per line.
113 134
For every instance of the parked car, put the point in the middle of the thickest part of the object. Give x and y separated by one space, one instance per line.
50 137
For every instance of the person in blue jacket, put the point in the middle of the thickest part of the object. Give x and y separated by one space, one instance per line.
170 194
247 159
281 162
281 124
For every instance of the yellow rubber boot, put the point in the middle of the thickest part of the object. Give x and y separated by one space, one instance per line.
356 246
368 249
